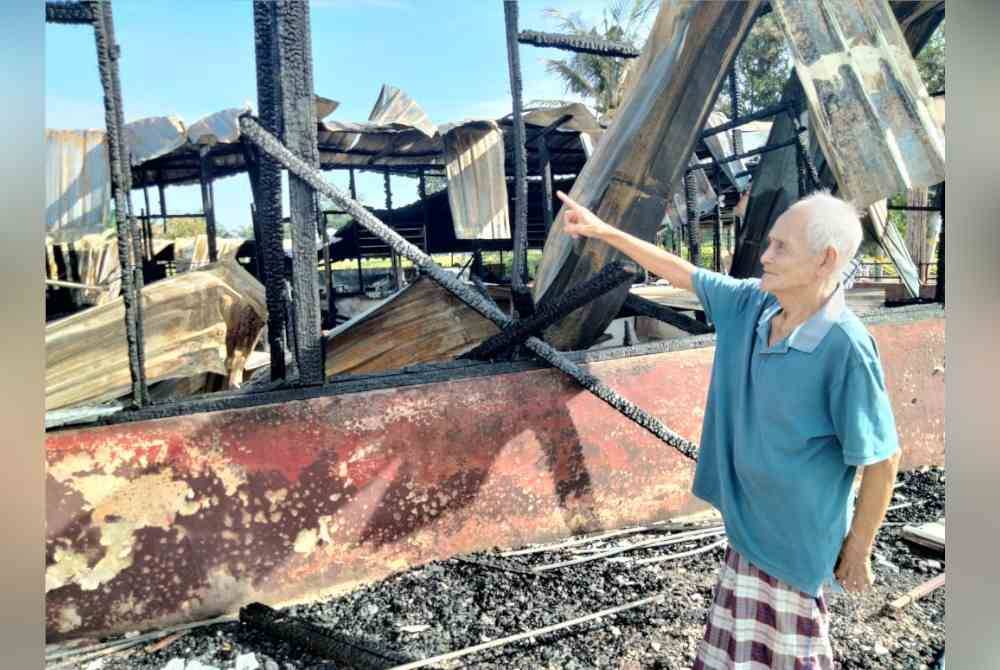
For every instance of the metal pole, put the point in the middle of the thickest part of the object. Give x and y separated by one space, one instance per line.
298 115
734 100
207 204
331 304
268 195
396 265
146 229
694 231
546 169
422 192
520 296
357 233
939 289
129 253
163 205
717 228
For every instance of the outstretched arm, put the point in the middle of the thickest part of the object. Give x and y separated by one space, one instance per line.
581 222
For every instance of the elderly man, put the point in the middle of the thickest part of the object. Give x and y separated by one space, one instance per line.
796 404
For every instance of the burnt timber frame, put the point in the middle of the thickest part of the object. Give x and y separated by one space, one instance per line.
270 71
578 44
269 144
521 299
298 124
265 178
98 15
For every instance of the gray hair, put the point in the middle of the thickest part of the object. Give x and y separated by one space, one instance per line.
832 222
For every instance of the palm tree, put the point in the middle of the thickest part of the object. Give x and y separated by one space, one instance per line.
601 78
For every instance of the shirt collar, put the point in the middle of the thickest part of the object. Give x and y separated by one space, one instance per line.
807 335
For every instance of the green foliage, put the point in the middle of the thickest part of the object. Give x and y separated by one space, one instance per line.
762 68
189 226
601 79
931 61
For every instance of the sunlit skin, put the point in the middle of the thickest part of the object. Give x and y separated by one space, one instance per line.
802 281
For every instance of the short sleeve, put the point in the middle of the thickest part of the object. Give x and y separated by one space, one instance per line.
862 414
722 296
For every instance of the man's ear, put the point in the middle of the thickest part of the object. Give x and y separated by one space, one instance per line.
829 263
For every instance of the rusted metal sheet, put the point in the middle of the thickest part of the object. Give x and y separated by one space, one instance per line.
775 177
477 188
866 99
394 106
77 183
155 522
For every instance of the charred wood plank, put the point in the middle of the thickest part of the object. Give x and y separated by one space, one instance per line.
637 305
578 43
126 228
298 115
520 295
630 177
517 332
79 13
267 192
319 641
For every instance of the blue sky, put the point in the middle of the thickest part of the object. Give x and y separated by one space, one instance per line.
193 58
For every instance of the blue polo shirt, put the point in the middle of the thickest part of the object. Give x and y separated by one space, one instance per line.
786 427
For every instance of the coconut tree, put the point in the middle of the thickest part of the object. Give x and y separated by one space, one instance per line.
601 79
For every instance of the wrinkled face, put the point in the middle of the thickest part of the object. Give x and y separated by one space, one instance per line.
789 264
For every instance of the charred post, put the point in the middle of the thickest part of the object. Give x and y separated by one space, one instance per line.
520 295
129 245
298 122
267 195
208 202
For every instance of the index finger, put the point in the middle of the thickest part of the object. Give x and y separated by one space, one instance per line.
568 200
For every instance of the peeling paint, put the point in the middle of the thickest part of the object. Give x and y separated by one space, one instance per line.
209 523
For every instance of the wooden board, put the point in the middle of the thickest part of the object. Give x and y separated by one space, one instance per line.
930 535
629 178
196 322
420 324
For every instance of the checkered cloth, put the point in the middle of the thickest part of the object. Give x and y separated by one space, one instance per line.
757 622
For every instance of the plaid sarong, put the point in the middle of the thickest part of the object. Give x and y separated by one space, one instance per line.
757 622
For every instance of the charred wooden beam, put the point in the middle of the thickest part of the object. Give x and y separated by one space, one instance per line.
517 332
269 144
129 238
765 113
79 13
637 305
629 179
298 123
208 203
578 44
267 194
319 641
520 295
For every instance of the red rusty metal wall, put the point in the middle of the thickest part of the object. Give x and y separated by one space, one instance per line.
159 521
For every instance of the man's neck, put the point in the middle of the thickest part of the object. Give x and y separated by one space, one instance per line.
798 306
